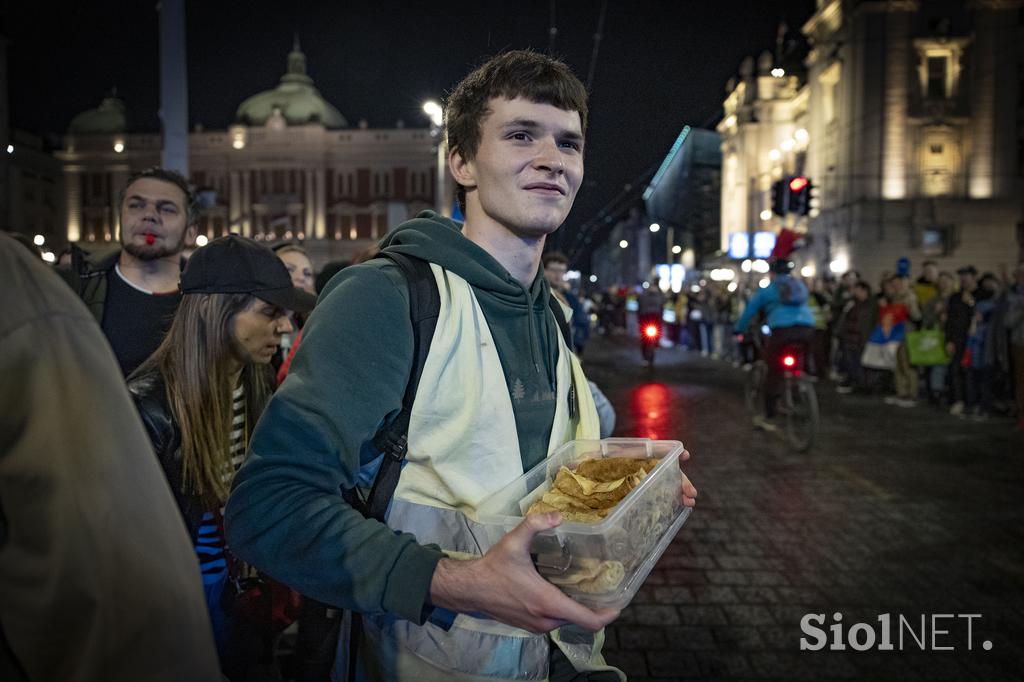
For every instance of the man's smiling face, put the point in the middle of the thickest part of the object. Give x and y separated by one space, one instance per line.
527 168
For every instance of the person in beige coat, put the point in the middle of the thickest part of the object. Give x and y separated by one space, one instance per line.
98 580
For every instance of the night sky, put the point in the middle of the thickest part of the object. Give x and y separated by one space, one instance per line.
661 65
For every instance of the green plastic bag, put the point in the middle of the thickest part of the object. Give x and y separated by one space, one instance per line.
927 347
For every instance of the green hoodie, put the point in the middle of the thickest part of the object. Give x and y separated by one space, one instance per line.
285 515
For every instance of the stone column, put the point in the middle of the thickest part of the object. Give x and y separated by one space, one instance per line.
234 201
73 200
993 107
118 176
897 76
320 197
246 203
308 205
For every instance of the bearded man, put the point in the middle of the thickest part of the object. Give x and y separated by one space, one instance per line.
133 293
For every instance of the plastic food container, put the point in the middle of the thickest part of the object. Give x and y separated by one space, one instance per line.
598 564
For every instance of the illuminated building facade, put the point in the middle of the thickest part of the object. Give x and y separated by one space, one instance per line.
290 167
907 122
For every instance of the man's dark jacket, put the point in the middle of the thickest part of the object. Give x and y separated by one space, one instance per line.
958 319
89 280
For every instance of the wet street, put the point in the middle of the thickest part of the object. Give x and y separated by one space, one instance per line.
900 511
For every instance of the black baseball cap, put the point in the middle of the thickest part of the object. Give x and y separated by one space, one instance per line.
237 265
968 270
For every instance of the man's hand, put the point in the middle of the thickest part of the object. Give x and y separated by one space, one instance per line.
689 492
504 585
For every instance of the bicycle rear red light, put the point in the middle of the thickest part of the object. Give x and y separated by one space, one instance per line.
789 361
651 331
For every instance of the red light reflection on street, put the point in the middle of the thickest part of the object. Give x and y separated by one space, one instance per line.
650 406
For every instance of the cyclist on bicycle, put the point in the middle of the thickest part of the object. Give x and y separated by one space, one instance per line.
791 322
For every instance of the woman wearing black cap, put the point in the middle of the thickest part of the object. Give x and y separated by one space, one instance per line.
200 395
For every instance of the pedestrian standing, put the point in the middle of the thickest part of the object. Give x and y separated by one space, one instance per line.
133 292
933 317
96 577
902 304
856 322
959 316
495 397
1014 321
200 395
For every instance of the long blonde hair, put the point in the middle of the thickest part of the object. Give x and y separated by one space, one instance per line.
196 360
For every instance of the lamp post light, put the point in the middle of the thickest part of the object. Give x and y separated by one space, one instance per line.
442 200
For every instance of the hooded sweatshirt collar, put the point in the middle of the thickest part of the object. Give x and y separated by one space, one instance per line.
439 240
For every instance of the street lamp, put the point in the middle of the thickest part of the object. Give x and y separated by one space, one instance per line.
623 244
677 249
655 227
435 113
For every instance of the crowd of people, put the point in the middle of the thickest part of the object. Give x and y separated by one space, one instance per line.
193 457
954 341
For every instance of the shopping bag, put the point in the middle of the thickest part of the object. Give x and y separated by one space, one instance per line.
927 347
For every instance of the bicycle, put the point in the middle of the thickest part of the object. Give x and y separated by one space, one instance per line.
798 402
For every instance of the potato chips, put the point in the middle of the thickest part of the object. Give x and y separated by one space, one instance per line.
589 493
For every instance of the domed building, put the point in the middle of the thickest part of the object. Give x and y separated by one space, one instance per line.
295 99
108 118
288 167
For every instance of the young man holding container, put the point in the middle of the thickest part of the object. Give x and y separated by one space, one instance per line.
495 398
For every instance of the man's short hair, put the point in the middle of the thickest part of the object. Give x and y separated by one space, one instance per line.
176 179
554 257
519 73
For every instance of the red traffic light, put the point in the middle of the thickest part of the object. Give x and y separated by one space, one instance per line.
798 183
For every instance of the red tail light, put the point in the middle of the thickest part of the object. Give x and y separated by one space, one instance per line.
651 331
789 361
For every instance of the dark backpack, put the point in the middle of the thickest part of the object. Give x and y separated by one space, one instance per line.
791 291
392 439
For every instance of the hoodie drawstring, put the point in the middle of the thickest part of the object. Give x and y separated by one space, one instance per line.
532 329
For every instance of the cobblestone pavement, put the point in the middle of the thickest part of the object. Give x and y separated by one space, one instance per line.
905 511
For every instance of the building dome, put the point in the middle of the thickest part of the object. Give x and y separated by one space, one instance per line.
109 117
295 99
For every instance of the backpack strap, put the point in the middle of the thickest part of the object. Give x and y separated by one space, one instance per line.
563 327
560 320
392 439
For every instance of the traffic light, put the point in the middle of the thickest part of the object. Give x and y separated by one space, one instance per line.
780 197
799 195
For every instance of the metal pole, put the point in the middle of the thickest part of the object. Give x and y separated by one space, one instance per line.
173 85
443 198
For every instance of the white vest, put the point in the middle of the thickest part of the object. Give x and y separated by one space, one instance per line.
463 446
